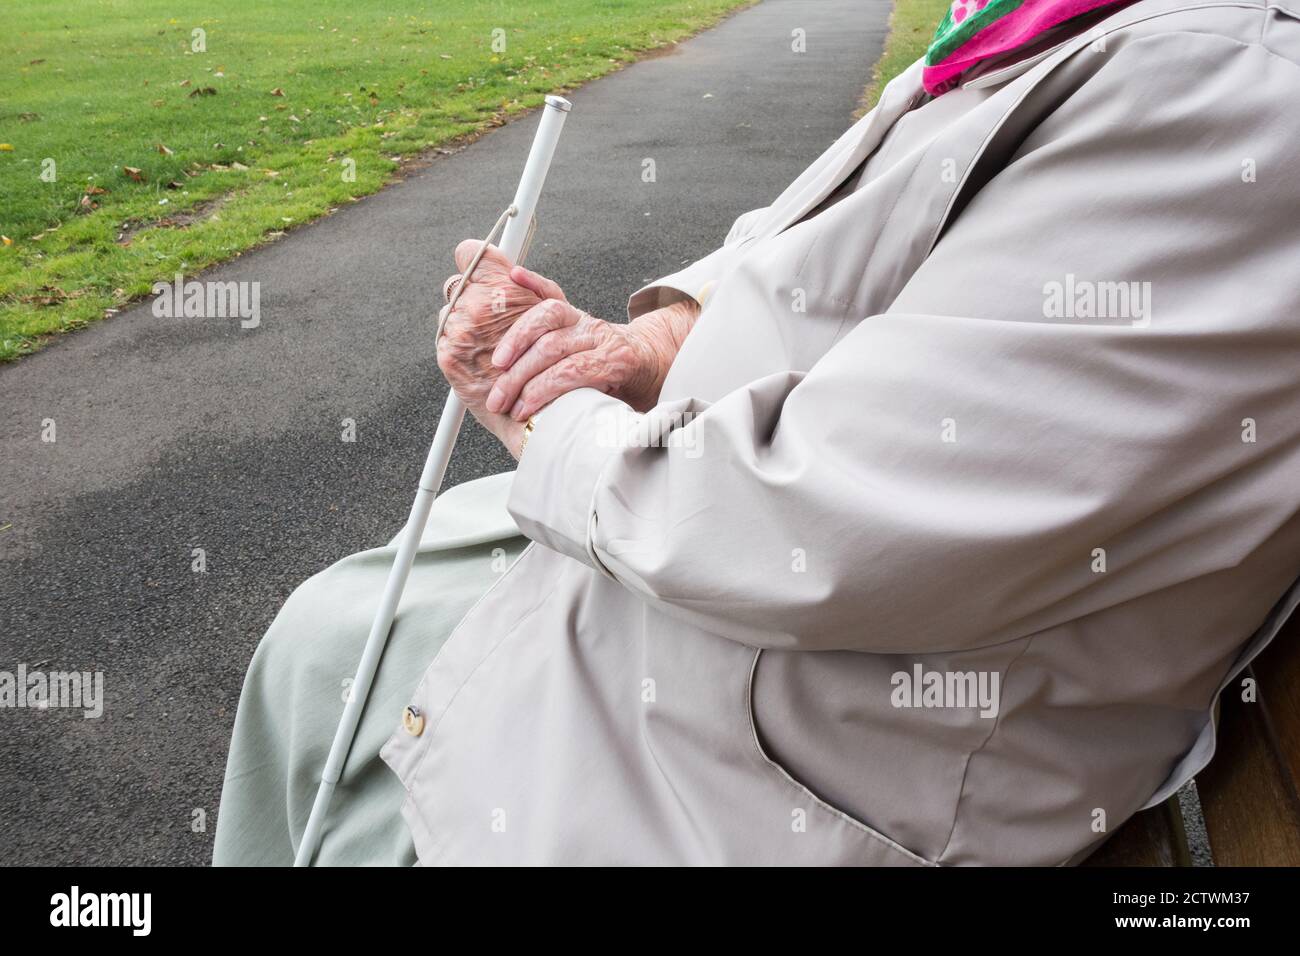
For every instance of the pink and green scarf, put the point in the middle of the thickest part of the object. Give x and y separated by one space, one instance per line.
975 30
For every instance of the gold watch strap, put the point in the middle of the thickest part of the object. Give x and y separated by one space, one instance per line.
529 427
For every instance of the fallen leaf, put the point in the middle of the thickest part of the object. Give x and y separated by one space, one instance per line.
95 190
184 83
6 148
46 295
134 173
277 92
6 240
239 166
175 185
204 91
164 150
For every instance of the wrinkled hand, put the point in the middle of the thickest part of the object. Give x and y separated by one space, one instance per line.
487 307
514 344
554 348
490 303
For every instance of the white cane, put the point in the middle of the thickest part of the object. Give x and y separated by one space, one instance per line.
518 220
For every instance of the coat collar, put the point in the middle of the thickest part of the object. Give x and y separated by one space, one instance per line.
905 92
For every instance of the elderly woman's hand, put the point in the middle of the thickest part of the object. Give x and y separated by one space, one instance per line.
514 344
485 310
554 348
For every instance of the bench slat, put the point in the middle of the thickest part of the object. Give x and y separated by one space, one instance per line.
1249 790
1278 667
1154 837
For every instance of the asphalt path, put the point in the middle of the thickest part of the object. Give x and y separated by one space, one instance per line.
177 434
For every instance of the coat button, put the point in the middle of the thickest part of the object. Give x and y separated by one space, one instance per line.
413 721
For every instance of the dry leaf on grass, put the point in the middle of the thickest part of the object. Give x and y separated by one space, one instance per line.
46 295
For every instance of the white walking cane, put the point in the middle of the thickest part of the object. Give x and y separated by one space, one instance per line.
518 220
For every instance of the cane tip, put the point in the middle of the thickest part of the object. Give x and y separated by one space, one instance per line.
559 103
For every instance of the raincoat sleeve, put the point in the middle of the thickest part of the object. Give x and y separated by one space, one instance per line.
992 456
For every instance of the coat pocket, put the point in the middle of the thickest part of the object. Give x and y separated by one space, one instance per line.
816 804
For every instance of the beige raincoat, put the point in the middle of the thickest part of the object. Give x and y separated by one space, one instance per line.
965 497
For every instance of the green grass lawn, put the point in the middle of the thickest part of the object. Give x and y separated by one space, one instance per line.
911 27
128 153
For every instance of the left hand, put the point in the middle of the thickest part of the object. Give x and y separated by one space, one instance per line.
488 306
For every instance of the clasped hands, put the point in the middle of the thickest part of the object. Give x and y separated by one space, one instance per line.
514 343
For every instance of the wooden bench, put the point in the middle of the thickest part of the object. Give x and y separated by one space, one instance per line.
1250 792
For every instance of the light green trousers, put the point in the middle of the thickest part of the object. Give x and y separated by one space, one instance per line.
300 674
